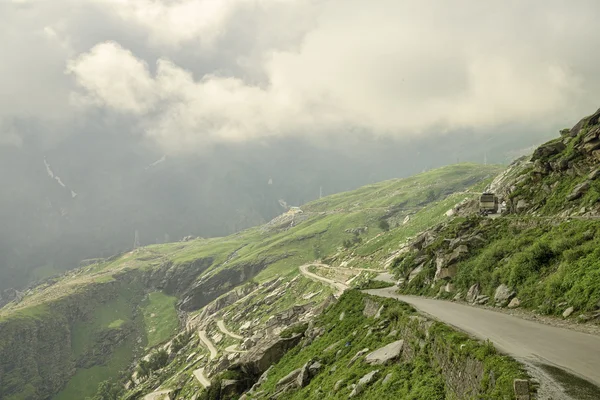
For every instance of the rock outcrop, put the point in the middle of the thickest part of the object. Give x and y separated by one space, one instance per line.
385 354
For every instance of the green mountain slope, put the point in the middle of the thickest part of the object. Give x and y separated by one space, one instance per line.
73 331
543 252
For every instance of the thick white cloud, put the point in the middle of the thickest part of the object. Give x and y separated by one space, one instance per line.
310 67
402 68
172 23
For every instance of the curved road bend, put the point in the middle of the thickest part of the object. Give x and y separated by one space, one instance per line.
223 328
340 287
211 347
572 351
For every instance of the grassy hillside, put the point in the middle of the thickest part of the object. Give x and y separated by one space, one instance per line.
189 275
543 252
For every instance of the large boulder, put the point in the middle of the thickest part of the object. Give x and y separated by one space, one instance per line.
385 354
503 295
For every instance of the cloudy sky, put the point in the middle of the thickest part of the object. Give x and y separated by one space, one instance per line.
186 73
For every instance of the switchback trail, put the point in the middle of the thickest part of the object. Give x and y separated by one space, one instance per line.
223 328
574 352
211 347
199 374
340 287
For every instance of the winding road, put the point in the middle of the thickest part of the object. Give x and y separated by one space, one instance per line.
574 352
211 347
199 374
338 286
223 328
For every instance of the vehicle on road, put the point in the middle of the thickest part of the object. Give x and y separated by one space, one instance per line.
488 203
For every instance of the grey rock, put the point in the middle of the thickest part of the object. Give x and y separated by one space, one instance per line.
578 191
473 293
458 297
547 150
357 356
303 377
503 294
522 205
385 354
371 307
363 383
413 274
514 303
314 368
567 313
387 379
594 174
482 299
338 385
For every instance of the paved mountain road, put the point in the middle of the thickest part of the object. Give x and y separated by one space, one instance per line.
575 352
223 328
340 287
209 345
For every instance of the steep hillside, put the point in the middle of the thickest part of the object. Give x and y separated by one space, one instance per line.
542 254
65 336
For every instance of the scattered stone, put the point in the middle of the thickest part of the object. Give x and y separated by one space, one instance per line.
521 387
385 354
338 385
522 205
314 368
482 299
304 376
458 297
578 191
449 288
594 174
393 333
514 303
413 274
357 356
371 308
363 382
378 315
473 293
342 315
387 379
567 313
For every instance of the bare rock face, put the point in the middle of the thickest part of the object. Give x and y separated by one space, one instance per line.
385 354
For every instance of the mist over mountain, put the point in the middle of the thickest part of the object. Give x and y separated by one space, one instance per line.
201 118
